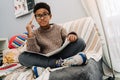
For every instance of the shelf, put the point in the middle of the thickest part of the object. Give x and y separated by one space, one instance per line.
3 44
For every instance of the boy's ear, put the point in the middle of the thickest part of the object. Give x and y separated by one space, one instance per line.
50 15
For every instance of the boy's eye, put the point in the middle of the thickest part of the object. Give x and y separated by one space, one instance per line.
41 15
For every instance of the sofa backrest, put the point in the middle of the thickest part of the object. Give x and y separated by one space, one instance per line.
86 29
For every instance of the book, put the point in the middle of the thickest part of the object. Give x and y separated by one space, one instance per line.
55 51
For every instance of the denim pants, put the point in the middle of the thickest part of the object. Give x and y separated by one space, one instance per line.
29 59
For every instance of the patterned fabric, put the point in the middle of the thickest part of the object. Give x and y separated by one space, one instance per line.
6 69
17 40
21 73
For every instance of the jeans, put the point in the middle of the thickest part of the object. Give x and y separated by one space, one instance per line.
29 59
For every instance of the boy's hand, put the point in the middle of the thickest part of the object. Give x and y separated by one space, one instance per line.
29 27
72 37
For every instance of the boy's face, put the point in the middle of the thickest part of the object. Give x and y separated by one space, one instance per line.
42 17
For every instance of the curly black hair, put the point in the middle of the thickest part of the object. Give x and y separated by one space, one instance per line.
42 5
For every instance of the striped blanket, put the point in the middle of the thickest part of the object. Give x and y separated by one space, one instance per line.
86 29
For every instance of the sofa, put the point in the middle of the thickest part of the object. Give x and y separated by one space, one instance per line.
85 28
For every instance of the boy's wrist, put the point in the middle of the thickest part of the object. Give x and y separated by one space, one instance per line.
30 35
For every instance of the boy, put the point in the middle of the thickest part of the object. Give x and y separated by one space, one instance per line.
47 38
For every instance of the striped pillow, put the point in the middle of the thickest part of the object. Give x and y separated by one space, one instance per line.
17 40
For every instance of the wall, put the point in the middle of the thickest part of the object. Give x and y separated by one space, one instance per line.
62 11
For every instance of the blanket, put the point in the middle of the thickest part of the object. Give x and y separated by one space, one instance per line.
91 71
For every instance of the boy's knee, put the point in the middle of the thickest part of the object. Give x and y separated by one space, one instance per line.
23 60
81 43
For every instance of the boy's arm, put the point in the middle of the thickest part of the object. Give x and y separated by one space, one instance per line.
32 45
31 40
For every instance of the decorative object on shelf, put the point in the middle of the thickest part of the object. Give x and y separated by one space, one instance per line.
23 7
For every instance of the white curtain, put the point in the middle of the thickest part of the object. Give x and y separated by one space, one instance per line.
106 14
110 11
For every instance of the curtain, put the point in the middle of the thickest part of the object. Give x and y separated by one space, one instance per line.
110 11
106 14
